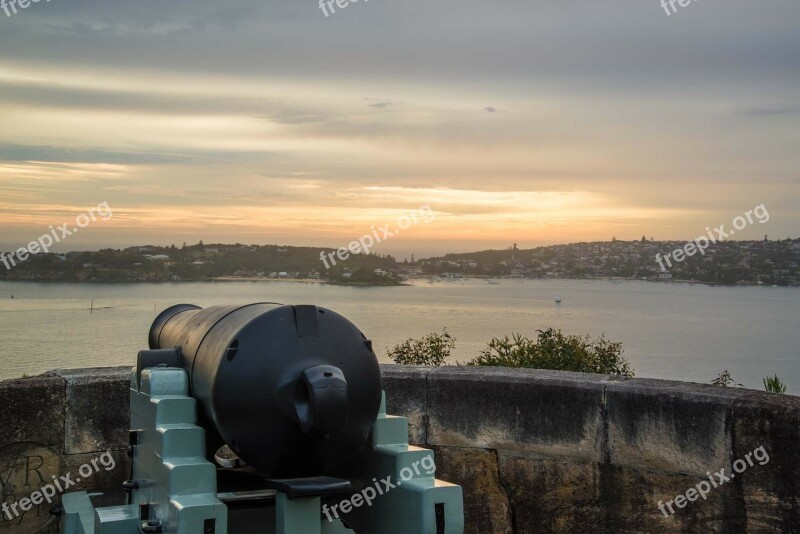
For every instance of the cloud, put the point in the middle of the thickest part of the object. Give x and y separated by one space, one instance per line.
249 106
378 103
23 153
789 110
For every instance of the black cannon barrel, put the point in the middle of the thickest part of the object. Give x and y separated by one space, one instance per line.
292 390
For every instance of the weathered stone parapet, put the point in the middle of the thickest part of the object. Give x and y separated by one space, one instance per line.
557 414
535 451
406 390
53 424
97 411
593 452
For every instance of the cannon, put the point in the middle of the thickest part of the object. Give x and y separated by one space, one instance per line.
266 418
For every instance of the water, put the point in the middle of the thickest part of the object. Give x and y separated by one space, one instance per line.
674 331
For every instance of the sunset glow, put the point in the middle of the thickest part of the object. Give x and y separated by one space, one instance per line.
296 151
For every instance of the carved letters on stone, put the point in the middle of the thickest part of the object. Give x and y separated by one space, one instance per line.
26 467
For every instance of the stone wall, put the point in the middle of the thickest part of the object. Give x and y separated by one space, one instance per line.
546 451
53 424
536 451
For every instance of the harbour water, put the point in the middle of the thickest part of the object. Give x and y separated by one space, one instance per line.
672 331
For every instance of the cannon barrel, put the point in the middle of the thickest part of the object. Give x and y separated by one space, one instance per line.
292 390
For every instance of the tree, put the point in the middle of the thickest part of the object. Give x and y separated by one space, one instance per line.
556 351
433 349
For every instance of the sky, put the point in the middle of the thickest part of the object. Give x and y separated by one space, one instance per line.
528 122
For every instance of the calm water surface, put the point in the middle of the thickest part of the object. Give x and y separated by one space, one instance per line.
674 331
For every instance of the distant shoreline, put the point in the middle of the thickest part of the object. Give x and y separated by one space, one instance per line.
608 278
727 264
227 279
298 280
260 279
223 279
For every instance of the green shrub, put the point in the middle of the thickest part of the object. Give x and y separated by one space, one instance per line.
432 350
774 385
725 379
553 350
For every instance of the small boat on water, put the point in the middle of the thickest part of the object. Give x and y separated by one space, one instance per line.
558 298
